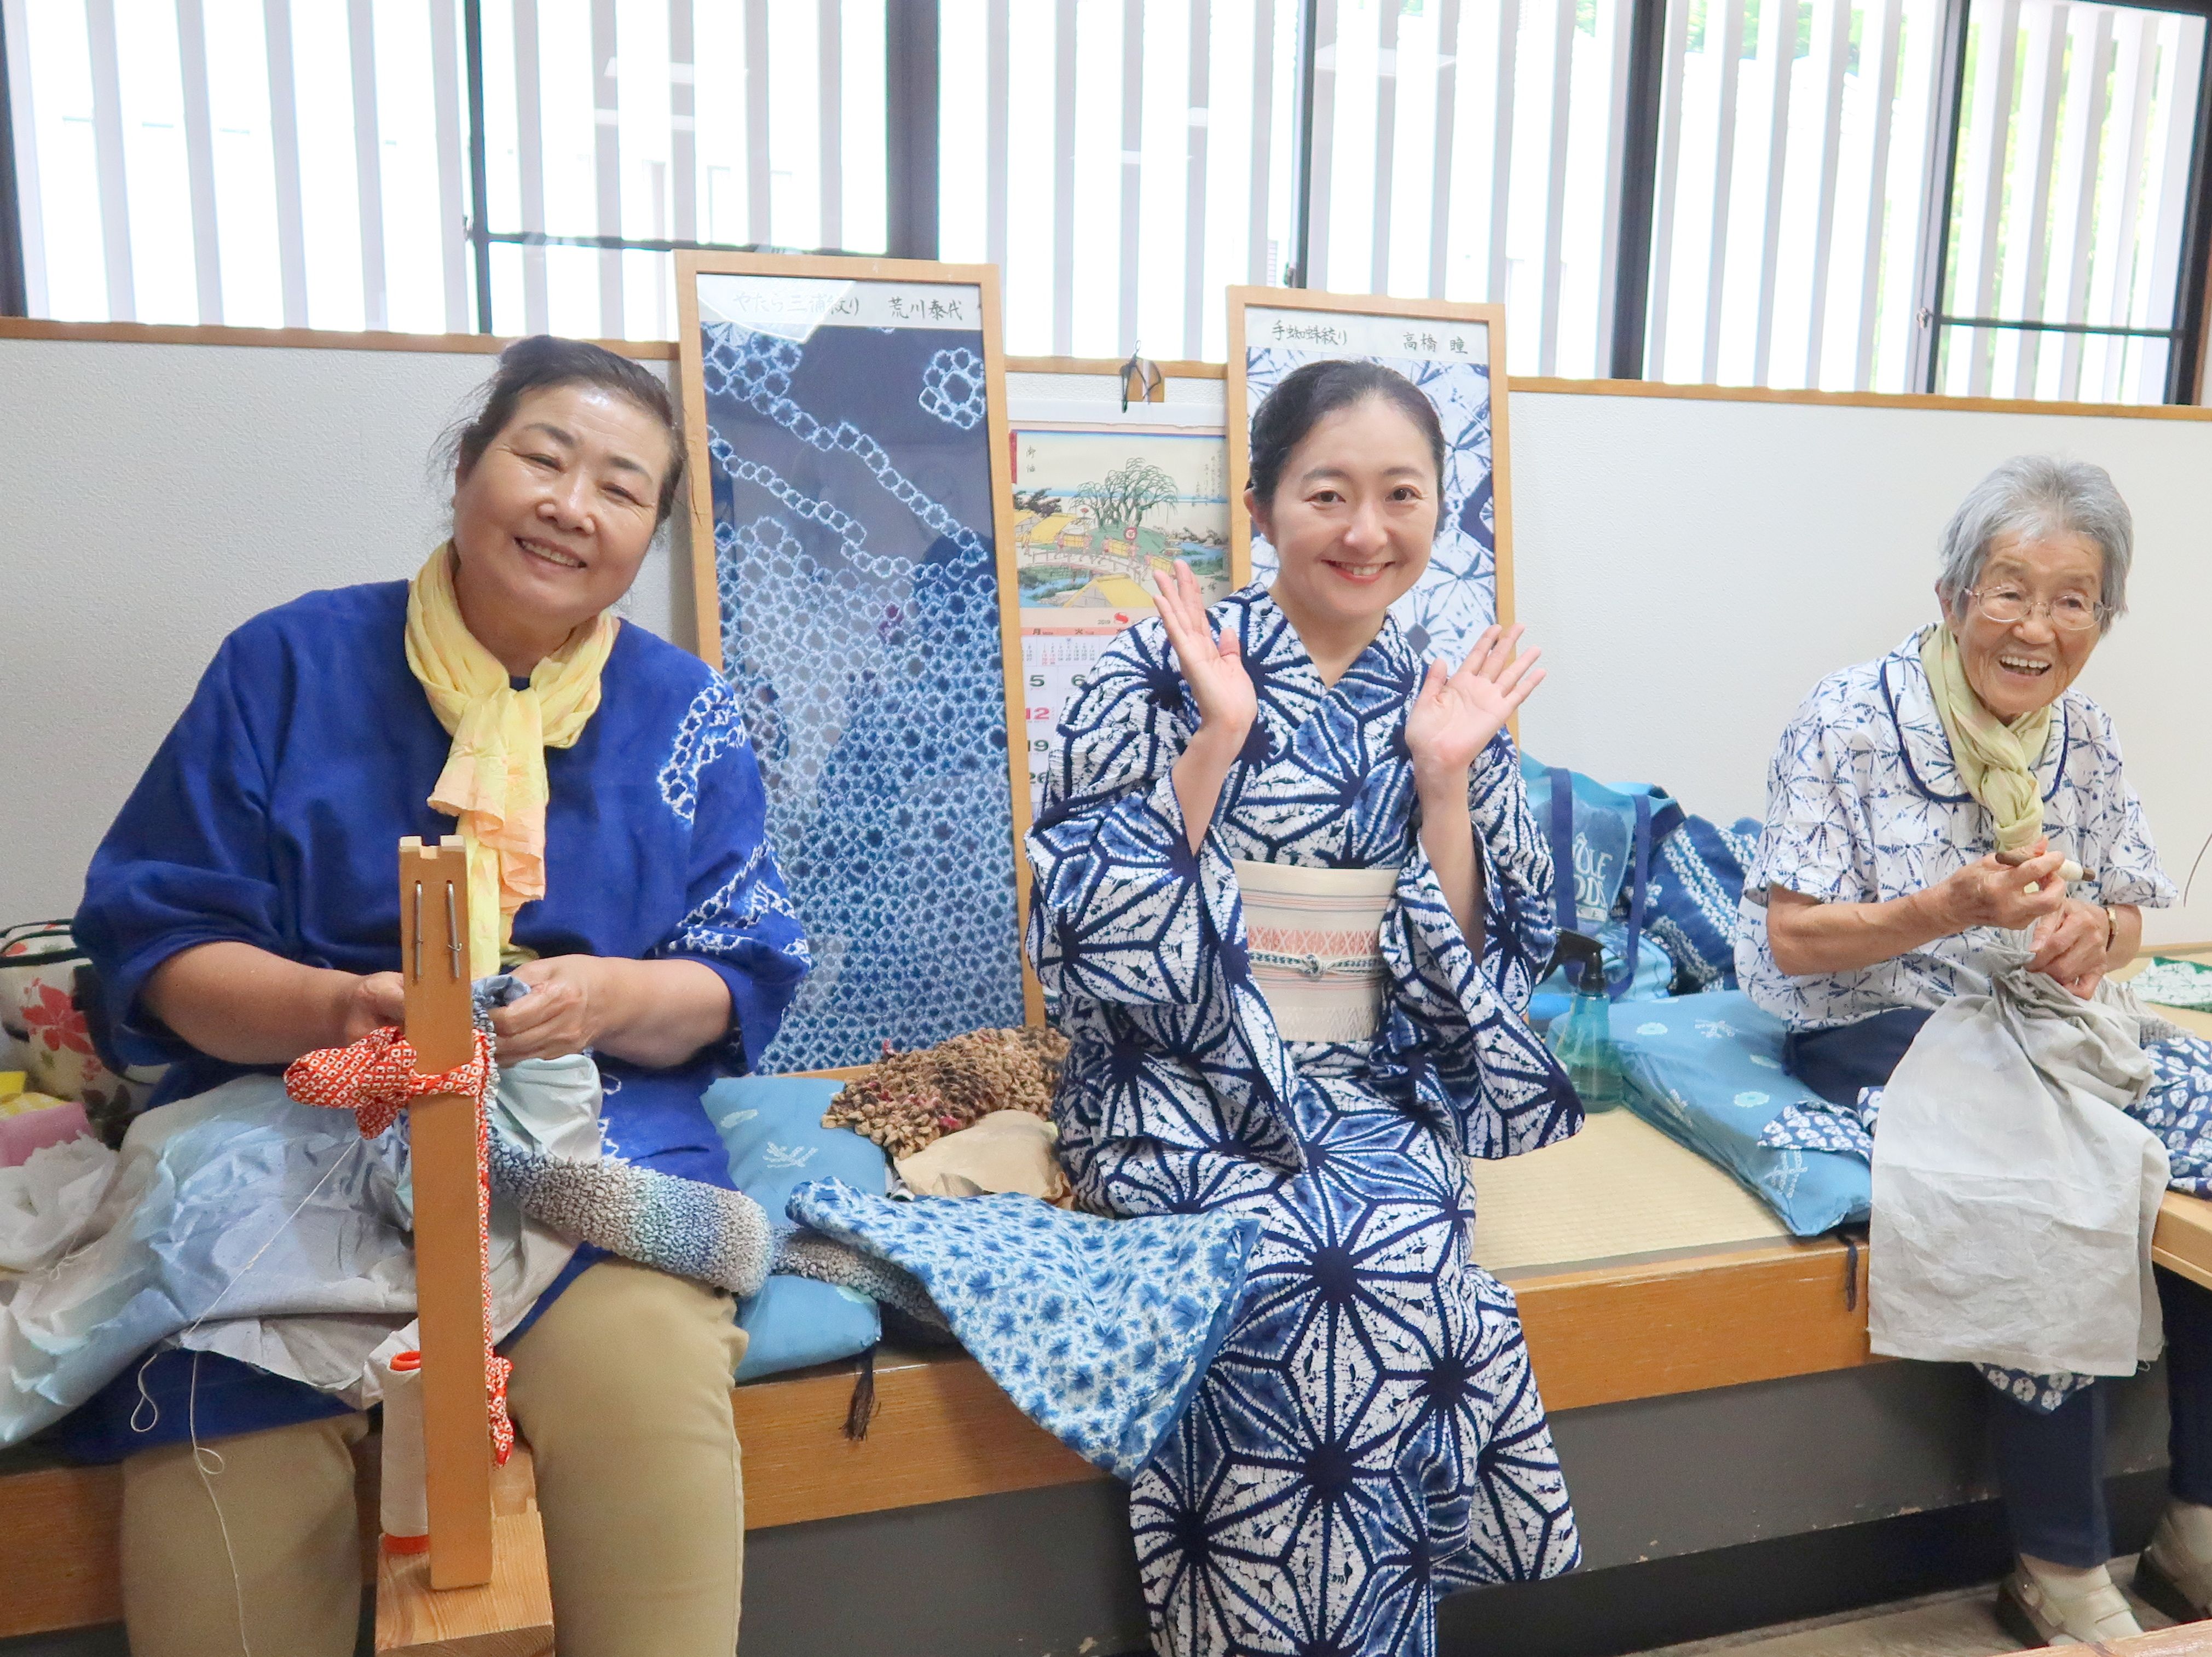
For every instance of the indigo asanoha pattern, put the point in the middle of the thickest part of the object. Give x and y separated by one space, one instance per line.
1863 804
1369 1434
859 623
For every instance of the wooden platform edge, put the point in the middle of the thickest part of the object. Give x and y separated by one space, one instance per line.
2182 1242
2182 1640
943 1431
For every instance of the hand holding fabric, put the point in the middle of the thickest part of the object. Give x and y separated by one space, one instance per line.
1457 713
1213 668
2069 945
1988 893
560 1014
376 1000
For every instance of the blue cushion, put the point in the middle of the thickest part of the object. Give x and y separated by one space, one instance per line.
1696 882
796 1321
1706 1070
772 1127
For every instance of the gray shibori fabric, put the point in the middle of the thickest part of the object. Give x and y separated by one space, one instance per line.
2014 1196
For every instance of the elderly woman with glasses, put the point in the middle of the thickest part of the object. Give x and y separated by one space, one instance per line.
1921 806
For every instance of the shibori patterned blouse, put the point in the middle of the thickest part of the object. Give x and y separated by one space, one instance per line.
272 816
1864 804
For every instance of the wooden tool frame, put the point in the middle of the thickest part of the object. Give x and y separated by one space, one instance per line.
1490 317
482 1588
707 604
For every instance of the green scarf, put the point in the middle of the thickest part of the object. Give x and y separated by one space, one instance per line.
1996 758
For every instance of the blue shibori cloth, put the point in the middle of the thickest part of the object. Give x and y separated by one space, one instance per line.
1100 1329
1369 1434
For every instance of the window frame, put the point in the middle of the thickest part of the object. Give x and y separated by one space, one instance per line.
2185 339
912 89
15 296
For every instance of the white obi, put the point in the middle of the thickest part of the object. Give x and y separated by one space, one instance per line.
1315 936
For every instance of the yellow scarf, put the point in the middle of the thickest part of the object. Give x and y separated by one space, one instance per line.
1996 758
495 776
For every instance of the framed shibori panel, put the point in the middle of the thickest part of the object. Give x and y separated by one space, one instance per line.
846 420
1456 354
1099 511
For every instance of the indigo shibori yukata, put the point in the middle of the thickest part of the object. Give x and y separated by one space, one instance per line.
1369 1435
272 816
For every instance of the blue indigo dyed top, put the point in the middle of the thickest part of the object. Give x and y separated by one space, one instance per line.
273 812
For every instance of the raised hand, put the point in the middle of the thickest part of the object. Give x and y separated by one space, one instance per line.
1212 667
1457 714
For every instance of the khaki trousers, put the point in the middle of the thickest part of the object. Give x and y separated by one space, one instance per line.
622 1389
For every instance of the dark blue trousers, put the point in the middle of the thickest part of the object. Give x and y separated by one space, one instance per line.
2051 1468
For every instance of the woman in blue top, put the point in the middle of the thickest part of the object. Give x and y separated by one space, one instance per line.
243 910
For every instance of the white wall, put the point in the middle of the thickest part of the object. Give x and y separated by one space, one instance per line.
152 497
1690 567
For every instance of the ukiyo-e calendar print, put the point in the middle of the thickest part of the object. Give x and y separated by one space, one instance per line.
856 577
1099 514
1457 596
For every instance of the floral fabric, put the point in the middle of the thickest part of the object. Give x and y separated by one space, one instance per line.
1099 1329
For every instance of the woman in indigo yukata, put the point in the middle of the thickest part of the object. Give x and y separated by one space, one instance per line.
1878 894
243 911
1289 904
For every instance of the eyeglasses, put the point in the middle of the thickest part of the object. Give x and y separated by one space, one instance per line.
2069 612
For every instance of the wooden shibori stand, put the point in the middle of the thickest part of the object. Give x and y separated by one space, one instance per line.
480 1588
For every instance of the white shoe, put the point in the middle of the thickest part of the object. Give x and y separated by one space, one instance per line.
2032 1611
2174 1577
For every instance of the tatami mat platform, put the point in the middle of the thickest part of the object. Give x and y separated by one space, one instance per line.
1619 1190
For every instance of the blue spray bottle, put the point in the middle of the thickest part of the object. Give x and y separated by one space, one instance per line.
1581 1038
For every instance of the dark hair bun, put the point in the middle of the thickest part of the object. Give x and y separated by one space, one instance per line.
545 361
1305 396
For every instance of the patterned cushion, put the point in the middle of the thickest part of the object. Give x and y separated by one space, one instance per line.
39 963
1707 1070
772 1127
1696 882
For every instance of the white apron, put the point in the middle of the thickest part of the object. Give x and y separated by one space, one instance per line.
2013 1197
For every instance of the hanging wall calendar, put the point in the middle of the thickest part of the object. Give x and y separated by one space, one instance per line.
1456 354
1100 513
855 584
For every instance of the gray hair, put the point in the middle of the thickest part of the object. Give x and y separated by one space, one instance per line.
2036 495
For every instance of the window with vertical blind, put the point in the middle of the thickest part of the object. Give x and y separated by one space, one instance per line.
241 162
1471 149
2070 199
1989 197
1797 143
1122 161
596 133
304 163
